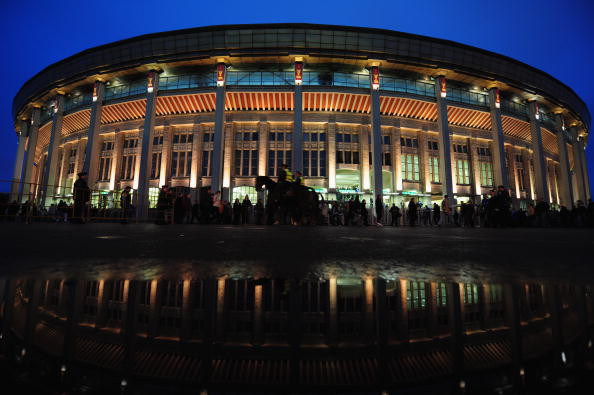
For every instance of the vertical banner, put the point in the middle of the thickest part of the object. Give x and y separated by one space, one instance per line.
375 78
220 74
298 73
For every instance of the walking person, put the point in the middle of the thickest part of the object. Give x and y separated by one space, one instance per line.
259 211
236 212
82 196
412 212
446 211
246 207
395 213
379 210
436 215
126 204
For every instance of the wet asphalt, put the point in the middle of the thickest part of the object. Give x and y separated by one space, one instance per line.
145 251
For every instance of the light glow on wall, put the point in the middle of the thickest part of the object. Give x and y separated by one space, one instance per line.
375 78
298 73
221 74
442 87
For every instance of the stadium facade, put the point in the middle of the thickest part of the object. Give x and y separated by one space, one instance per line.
358 111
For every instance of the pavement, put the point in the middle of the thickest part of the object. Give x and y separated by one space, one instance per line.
145 251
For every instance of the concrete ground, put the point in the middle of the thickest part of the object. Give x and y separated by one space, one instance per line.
147 250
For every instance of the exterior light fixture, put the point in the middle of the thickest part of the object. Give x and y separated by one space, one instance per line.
124 383
563 357
536 111
221 74
55 106
589 342
375 78
522 372
497 98
63 369
298 73
23 352
462 384
150 86
95 92
442 87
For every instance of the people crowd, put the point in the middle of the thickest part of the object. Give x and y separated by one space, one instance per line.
495 210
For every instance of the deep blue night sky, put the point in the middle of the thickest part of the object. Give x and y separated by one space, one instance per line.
554 36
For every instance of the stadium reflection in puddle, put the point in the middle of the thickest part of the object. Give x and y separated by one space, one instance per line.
339 334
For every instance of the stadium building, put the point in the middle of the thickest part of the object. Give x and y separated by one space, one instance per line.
358 111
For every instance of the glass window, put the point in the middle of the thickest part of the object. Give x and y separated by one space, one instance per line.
486 174
462 172
410 167
434 168
206 163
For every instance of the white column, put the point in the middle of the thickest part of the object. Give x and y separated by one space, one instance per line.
49 189
18 162
566 185
445 156
396 159
196 151
331 142
94 142
540 169
376 131
116 160
142 202
263 128
217 152
500 174
31 145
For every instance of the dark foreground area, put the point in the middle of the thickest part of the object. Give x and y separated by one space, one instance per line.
148 250
185 309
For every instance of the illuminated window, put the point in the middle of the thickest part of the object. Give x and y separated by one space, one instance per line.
153 197
462 172
486 173
415 295
410 167
470 294
434 169
240 192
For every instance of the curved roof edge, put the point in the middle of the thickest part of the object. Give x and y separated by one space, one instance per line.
19 101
